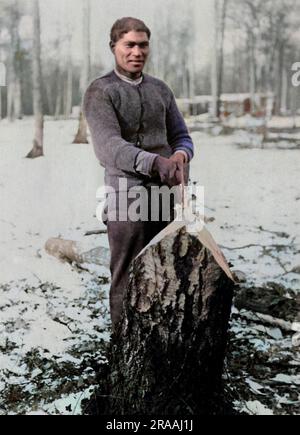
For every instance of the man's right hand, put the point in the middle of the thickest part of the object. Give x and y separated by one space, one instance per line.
166 169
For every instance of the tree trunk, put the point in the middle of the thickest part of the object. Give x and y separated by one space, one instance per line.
68 91
37 150
284 90
252 77
278 78
192 55
18 71
69 80
14 104
18 99
221 54
294 108
215 61
11 82
50 96
81 135
59 78
220 9
185 83
10 94
58 101
167 356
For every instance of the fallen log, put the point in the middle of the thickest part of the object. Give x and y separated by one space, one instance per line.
167 356
270 299
269 320
77 252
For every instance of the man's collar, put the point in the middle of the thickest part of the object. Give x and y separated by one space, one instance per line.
134 82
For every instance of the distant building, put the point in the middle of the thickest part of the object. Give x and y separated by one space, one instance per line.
194 106
231 104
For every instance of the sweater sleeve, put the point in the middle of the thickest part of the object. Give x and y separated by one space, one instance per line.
178 135
110 148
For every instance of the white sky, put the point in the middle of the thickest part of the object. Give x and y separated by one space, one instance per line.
55 15
58 16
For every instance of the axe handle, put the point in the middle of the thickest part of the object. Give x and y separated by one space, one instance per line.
183 195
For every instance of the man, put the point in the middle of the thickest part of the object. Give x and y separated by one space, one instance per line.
138 134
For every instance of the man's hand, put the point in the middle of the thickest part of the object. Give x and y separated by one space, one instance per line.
171 170
167 170
182 167
179 159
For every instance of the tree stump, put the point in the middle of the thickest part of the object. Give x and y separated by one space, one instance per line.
167 355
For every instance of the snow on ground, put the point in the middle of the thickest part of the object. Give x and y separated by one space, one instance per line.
54 319
254 196
50 313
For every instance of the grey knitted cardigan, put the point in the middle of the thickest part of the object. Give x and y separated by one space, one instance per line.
131 125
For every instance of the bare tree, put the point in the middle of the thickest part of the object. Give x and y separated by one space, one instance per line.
192 49
58 73
268 27
14 104
37 150
220 9
48 87
68 82
3 75
81 136
69 79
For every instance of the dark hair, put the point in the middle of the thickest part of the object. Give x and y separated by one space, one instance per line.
125 25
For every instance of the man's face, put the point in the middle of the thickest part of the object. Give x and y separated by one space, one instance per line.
131 53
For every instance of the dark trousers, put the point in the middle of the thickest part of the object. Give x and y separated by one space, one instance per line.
126 240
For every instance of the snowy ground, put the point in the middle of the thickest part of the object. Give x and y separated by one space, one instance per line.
54 319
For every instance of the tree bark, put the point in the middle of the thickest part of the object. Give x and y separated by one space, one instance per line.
167 355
